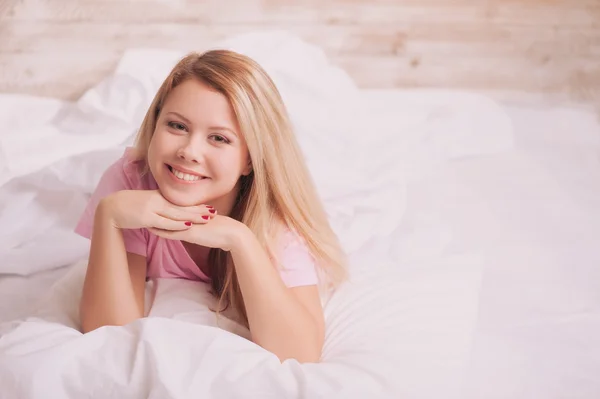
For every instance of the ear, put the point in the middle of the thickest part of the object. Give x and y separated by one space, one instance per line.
248 169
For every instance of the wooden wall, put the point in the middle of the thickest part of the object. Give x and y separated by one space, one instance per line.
538 47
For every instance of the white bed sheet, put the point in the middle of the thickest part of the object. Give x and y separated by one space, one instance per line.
534 215
481 283
20 295
538 328
539 325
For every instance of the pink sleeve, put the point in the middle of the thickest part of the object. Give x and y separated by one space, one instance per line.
297 266
114 179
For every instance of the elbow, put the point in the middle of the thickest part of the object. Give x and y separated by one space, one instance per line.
303 349
87 327
90 320
306 357
91 325
302 355
88 323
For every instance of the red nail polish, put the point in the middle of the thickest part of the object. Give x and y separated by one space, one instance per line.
205 217
209 206
188 223
212 210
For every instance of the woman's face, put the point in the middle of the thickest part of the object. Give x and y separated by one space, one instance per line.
197 153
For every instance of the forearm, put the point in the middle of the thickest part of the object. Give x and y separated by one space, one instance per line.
108 296
278 321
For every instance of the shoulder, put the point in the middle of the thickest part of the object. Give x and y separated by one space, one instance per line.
291 248
283 236
296 265
288 238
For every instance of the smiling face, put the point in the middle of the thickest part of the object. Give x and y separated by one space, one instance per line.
197 152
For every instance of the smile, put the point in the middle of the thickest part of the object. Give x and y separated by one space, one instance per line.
184 177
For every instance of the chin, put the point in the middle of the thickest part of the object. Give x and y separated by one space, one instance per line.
180 199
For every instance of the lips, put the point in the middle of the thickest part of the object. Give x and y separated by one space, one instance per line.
184 175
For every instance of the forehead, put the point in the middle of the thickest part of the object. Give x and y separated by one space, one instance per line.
200 104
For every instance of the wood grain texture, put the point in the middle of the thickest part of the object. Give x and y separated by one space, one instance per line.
539 47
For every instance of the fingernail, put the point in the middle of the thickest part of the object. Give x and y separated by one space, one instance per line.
212 210
205 217
188 223
209 206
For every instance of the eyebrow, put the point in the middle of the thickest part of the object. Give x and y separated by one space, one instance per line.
186 120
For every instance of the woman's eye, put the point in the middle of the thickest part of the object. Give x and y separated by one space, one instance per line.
176 125
220 139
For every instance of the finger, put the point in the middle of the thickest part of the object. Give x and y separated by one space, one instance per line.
201 215
203 210
171 235
163 223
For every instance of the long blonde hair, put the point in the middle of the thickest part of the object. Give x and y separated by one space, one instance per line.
279 190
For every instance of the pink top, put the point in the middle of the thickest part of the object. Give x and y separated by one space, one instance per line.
168 258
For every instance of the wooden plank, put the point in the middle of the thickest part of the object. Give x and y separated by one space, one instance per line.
437 71
474 39
62 75
67 75
60 48
582 13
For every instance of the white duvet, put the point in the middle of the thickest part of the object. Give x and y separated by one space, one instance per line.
445 212
178 352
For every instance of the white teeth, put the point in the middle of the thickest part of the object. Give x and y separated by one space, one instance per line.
184 176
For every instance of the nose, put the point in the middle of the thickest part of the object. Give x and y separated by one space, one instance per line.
191 151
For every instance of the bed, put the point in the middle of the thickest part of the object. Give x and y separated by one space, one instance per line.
471 225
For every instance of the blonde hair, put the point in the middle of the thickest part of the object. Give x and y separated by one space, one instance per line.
279 190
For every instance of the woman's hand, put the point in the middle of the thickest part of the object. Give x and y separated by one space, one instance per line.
135 209
220 232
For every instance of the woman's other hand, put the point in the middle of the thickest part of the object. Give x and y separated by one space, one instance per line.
135 209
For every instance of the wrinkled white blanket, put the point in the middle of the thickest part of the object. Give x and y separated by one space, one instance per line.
395 333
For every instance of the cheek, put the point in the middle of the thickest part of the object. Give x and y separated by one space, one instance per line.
160 143
227 164
157 150
152 149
